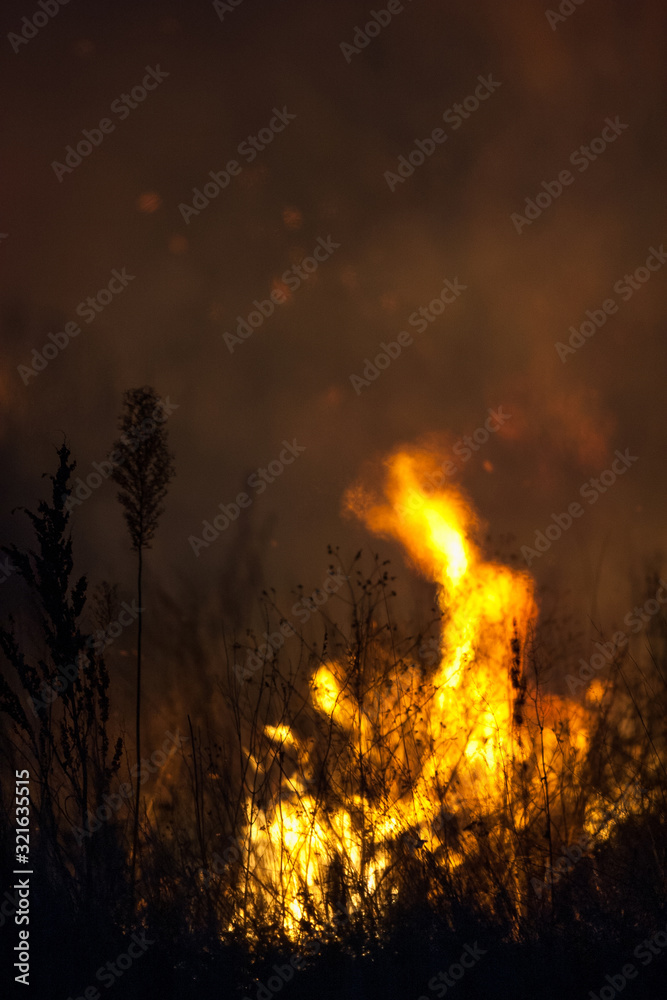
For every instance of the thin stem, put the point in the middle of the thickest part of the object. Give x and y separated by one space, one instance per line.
135 837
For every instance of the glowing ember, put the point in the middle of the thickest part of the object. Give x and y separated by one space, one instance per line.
149 202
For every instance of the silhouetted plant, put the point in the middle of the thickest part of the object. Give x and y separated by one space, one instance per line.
60 708
143 468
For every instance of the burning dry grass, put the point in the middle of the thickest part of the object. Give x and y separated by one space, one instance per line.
346 788
472 770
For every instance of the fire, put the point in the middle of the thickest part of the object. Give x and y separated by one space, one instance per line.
402 756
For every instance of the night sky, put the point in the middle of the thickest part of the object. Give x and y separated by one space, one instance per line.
322 176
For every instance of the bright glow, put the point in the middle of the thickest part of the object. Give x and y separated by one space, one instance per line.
402 751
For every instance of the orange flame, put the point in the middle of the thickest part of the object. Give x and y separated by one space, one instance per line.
409 749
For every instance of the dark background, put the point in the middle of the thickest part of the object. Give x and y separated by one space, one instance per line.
324 175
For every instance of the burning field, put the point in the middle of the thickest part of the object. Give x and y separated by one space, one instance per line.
333 638
397 760
359 794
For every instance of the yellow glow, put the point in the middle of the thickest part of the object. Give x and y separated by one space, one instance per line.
406 748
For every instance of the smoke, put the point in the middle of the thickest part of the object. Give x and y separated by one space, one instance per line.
324 177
